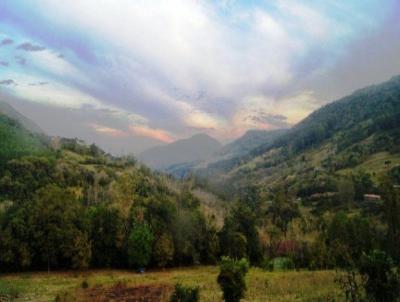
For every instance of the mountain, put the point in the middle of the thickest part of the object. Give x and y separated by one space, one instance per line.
228 155
358 133
249 141
193 149
8 110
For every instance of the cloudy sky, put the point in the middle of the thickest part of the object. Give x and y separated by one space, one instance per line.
130 74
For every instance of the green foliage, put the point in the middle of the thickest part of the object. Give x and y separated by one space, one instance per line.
382 278
16 141
232 278
163 251
49 230
281 263
395 174
282 210
391 197
345 134
185 294
140 242
348 237
239 236
107 235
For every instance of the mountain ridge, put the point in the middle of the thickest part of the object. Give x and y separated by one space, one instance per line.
194 148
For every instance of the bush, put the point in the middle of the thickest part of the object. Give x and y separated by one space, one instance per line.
267 265
231 278
281 264
85 284
185 294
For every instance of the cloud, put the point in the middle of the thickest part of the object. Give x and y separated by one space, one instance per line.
6 41
108 130
7 82
275 120
159 134
168 69
55 94
20 60
38 84
30 47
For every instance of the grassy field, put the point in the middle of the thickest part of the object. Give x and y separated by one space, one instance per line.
262 286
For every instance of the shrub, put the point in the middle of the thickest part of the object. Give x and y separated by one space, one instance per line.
84 284
267 265
281 263
185 294
231 278
350 284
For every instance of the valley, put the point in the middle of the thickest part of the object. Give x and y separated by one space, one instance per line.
306 209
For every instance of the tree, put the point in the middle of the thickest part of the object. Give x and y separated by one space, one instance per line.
107 235
81 251
382 278
282 210
232 278
163 250
233 242
140 242
240 230
391 197
58 227
16 252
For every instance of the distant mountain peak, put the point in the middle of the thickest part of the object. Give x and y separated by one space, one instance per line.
195 148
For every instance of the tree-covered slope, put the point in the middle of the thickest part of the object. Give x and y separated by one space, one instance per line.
345 136
249 141
71 205
17 141
27 123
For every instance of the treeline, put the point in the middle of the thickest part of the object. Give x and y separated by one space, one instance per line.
77 207
63 211
282 231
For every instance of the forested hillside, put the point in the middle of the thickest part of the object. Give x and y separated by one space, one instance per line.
64 204
229 155
17 141
27 123
357 134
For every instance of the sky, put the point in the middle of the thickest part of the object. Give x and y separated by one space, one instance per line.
132 74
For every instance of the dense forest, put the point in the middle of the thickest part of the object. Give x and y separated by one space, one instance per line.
68 205
65 204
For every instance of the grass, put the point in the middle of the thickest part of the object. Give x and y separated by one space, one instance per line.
380 163
262 286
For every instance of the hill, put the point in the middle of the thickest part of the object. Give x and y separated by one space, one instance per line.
17 141
358 133
94 207
195 148
8 110
228 155
249 141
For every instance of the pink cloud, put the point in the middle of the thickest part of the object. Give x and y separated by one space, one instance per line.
158 134
109 131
